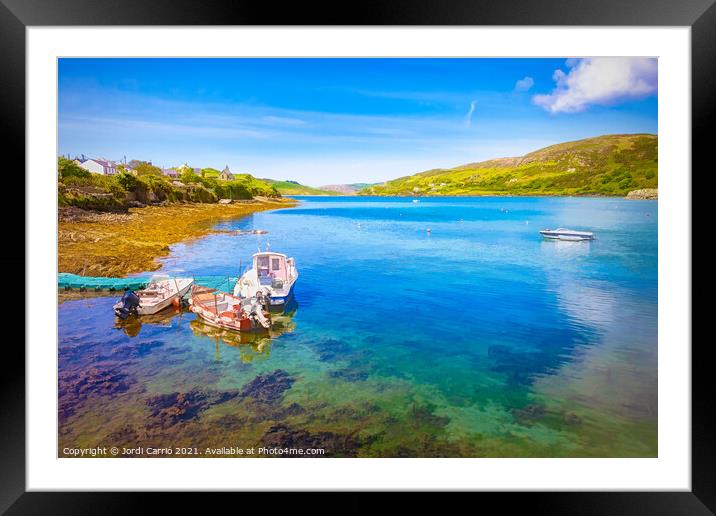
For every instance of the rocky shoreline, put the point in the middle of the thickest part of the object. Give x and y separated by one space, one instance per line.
100 243
644 193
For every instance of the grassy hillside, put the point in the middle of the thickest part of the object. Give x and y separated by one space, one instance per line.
605 165
82 189
295 188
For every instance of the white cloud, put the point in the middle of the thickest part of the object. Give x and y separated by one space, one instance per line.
524 84
601 81
468 117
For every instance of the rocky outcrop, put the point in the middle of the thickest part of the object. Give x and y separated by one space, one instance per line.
644 193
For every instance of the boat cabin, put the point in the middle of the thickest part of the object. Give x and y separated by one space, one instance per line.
272 268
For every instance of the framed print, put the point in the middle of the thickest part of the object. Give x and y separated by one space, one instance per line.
441 249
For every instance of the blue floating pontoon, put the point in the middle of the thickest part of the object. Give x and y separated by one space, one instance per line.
68 281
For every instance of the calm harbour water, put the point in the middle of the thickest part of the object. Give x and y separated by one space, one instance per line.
476 339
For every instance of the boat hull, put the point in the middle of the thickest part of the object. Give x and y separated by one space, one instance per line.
566 235
149 306
276 299
225 326
228 312
280 301
163 304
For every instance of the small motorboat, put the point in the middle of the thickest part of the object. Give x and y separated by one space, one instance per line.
273 275
569 235
223 310
160 293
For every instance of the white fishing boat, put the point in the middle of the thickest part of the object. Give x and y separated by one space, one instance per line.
273 275
223 310
570 235
159 294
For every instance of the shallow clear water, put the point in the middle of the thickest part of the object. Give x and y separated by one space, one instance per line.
477 338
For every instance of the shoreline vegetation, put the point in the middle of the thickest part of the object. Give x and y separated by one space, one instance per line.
145 184
110 244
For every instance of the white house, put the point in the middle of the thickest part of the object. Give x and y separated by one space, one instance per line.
170 172
98 166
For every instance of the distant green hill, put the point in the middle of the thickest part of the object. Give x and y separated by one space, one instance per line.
347 189
605 165
294 188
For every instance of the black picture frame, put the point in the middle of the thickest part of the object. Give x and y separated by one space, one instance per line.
17 15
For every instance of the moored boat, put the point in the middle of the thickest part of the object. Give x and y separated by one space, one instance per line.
273 275
223 310
567 234
159 294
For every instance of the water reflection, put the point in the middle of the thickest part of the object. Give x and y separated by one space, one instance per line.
565 249
132 325
251 345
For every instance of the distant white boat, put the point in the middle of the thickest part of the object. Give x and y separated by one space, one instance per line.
570 235
416 200
273 275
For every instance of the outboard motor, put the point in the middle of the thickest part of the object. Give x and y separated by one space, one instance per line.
260 298
128 305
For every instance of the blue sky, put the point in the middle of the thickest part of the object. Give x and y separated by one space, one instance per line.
324 121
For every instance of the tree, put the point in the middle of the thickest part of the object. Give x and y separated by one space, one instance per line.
187 176
146 169
68 168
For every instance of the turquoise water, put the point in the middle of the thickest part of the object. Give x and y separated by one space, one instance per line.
476 338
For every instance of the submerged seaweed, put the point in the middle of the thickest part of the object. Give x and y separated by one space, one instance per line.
268 388
73 389
169 409
334 445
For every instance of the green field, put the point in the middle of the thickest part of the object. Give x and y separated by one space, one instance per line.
610 165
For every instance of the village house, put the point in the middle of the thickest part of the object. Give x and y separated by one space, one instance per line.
226 174
98 166
170 172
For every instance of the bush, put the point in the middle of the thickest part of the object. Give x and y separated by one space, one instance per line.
67 168
199 193
127 181
145 169
188 177
625 183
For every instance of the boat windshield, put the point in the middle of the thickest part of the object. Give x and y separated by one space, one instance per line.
271 266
